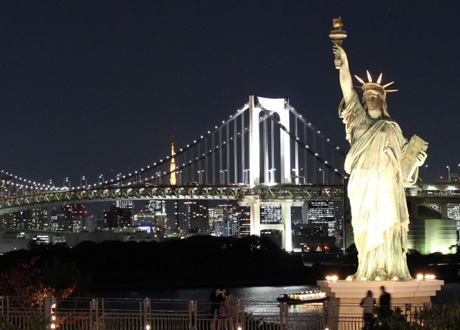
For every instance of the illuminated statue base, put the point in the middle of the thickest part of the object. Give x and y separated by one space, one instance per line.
345 297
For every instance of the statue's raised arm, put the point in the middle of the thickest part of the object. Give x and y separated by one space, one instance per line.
341 63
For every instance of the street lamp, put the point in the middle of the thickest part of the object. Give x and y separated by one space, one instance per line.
448 173
426 167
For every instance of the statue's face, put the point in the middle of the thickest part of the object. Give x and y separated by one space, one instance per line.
373 103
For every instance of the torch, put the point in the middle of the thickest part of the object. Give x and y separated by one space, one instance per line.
337 34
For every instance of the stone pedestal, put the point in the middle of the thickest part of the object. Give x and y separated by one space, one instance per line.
345 297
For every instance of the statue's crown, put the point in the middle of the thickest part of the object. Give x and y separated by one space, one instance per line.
375 86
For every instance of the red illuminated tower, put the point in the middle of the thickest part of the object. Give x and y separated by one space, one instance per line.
172 167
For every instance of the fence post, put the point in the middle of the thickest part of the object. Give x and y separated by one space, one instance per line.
93 314
408 312
239 315
50 312
192 315
325 315
146 307
284 316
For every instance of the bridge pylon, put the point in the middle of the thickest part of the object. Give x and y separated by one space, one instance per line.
278 106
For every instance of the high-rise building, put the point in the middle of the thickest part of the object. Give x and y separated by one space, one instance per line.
326 212
198 215
120 214
27 219
242 216
223 213
270 214
77 214
60 219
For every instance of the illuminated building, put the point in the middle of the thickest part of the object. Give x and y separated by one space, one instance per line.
198 215
77 214
158 209
434 215
222 221
270 214
59 219
242 216
120 214
326 212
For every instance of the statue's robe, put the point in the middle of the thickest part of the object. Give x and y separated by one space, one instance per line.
379 213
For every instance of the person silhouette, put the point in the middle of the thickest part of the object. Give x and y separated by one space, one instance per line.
368 303
385 303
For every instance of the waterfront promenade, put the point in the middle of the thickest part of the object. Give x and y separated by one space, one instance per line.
174 314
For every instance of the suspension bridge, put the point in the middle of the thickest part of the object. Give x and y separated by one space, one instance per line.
266 153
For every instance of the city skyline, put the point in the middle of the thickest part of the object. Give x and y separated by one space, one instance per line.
100 88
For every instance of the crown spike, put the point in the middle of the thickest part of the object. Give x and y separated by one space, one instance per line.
360 80
392 90
385 86
369 77
380 79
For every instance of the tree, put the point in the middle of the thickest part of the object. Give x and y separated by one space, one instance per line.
26 282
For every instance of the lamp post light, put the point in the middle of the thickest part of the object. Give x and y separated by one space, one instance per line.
321 170
100 179
448 173
179 176
66 183
426 167
200 176
223 174
83 181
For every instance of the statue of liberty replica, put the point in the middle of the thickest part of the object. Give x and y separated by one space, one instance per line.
381 162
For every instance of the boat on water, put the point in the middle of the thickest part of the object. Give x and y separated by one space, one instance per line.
302 297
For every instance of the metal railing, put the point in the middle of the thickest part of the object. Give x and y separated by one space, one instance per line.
146 314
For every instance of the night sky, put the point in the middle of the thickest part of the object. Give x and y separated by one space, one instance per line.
91 86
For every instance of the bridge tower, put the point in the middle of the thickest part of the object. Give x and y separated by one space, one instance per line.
278 106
